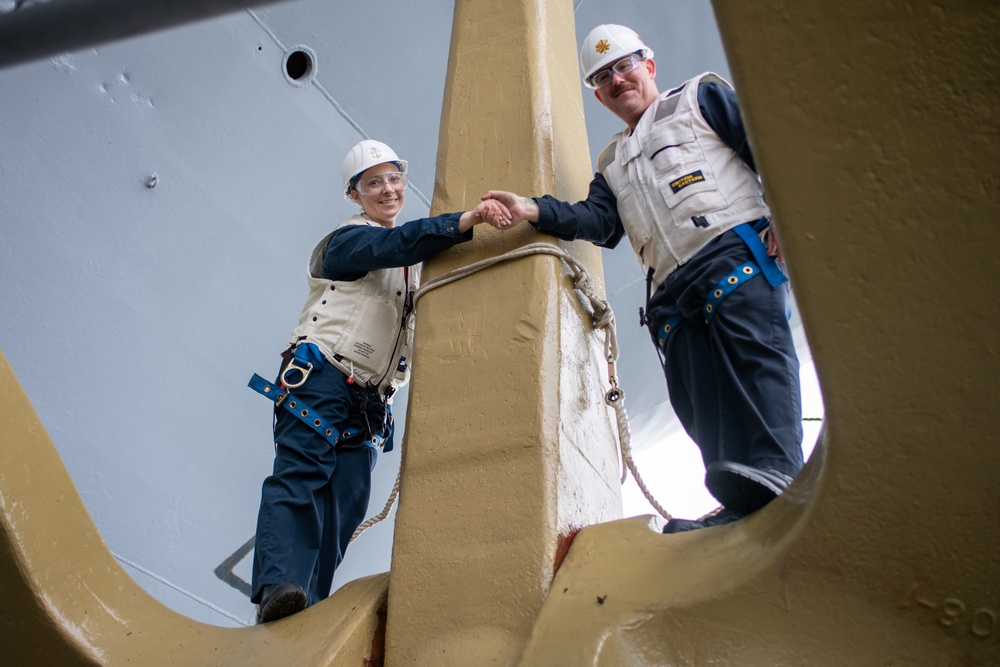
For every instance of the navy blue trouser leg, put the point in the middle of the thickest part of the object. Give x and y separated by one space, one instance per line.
314 495
346 505
734 383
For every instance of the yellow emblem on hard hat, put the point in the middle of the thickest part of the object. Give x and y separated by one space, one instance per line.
376 153
603 46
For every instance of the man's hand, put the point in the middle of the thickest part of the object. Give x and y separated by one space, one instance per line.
773 244
493 212
520 208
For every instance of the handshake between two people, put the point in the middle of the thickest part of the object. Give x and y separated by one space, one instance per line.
502 210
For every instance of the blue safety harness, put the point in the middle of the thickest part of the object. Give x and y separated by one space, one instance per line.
305 358
749 233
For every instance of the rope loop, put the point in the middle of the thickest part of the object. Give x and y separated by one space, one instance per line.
603 319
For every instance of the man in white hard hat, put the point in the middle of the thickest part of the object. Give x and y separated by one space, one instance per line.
343 362
680 182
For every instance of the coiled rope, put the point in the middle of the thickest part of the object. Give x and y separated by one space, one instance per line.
603 319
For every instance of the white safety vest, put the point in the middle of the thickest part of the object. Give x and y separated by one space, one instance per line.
678 184
358 325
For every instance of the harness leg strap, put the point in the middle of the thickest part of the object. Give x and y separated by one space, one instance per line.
668 327
722 289
303 412
726 286
374 441
285 399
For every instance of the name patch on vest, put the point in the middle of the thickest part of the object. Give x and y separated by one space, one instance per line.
686 180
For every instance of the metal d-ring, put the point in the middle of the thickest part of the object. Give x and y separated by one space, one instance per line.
292 367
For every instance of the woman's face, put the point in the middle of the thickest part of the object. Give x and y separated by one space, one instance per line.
380 192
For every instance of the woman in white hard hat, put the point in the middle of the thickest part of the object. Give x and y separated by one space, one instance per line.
344 361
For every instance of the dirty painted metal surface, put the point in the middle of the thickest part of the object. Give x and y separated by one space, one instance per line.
509 443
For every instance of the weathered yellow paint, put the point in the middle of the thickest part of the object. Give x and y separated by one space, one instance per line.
876 127
509 446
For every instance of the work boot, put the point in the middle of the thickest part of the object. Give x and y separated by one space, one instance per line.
280 600
744 488
720 518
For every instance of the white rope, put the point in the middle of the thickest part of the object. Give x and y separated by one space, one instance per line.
381 515
603 318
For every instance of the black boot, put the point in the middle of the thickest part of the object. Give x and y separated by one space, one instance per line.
280 600
720 518
744 488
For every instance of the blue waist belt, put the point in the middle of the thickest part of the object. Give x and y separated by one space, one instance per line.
763 263
285 399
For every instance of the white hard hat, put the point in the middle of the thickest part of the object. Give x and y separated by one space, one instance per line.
606 44
365 155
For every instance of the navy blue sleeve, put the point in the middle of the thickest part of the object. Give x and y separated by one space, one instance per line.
355 250
718 106
594 219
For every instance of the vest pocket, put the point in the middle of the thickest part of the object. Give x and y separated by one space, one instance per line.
671 144
682 173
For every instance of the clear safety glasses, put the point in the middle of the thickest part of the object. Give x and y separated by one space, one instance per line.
373 185
603 77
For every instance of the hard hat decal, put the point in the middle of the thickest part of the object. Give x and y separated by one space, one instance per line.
603 46
376 153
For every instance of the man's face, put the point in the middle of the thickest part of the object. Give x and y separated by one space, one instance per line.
630 95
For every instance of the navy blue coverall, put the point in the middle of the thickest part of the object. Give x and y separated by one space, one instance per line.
734 383
317 495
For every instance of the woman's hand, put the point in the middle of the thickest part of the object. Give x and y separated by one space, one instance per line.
518 207
492 212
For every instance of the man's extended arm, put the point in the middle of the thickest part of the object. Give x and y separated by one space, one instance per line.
593 219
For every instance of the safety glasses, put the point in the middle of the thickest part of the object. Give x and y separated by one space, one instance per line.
602 78
374 185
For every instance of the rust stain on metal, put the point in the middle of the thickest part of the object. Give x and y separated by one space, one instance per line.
377 653
562 547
